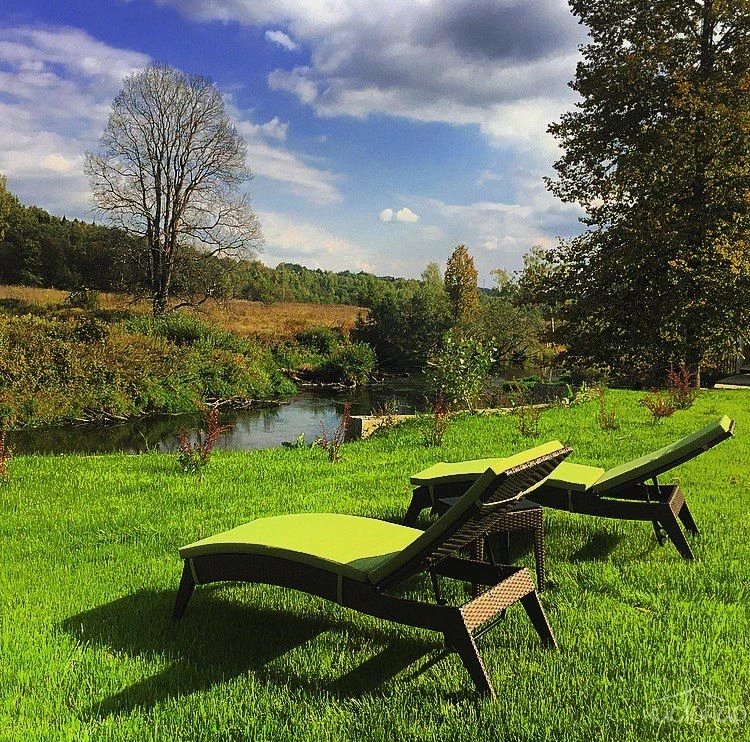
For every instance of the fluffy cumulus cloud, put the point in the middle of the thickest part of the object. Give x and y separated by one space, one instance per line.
289 239
499 64
56 88
273 128
56 91
406 215
497 232
402 215
283 40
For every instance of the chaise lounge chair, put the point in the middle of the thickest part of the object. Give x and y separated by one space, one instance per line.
621 493
358 562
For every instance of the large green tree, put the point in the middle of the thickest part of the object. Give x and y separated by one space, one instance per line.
657 153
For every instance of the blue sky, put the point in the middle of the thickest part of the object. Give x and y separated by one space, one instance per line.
381 135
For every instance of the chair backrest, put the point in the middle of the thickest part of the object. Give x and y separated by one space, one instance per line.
483 504
653 464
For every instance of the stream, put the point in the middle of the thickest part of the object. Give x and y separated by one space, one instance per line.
251 429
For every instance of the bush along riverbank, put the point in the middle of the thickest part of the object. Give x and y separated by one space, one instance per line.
65 364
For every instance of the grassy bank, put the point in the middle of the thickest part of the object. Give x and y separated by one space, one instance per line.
89 553
60 363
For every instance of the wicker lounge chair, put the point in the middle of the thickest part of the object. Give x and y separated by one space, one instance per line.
359 562
621 492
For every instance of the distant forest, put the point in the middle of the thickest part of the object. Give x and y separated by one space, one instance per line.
39 249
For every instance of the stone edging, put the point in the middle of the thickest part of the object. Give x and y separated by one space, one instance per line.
363 426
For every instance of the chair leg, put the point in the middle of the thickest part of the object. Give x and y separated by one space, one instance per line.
477 554
687 519
420 500
673 530
461 641
184 593
502 547
538 618
659 532
541 581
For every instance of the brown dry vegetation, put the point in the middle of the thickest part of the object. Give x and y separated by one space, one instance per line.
237 315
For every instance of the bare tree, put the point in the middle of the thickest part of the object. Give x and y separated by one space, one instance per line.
170 168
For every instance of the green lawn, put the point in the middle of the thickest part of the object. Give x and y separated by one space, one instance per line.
88 549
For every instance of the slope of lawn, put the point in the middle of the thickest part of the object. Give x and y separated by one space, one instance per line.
88 548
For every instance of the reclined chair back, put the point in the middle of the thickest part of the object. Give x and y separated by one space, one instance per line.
658 462
483 504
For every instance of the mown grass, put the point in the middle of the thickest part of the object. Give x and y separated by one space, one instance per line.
89 569
237 315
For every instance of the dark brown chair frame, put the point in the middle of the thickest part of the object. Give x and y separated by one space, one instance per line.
461 625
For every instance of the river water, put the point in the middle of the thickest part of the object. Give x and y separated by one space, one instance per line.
254 429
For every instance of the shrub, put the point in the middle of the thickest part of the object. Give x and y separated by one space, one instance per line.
193 458
19 307
660 404
178 328
350 364
434 426
84 299
386 413
73 366
332 445
607 416
322 340
681 388
527 414
459 369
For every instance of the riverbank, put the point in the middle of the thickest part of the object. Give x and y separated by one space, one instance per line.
62 364
90 568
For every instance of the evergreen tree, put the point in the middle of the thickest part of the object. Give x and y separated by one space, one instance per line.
658 155
461 285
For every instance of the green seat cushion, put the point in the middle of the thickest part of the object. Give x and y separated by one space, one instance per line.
652 464
346 545
476 492
467 471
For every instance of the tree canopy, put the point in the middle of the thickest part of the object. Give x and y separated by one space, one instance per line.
657 153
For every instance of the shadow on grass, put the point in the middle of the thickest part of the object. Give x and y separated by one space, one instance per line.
219 640
599 545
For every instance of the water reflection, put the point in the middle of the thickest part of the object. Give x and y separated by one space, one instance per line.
264 428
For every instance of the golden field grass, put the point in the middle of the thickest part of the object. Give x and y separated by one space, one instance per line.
237 315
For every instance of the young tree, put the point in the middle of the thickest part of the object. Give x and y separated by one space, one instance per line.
658 155
431 274
461 285
170 169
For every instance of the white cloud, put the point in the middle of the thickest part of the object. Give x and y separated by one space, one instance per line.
291 239
487 176
281 39
386 215
306 181
406 215
501 65
274 129
295 82
57 85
